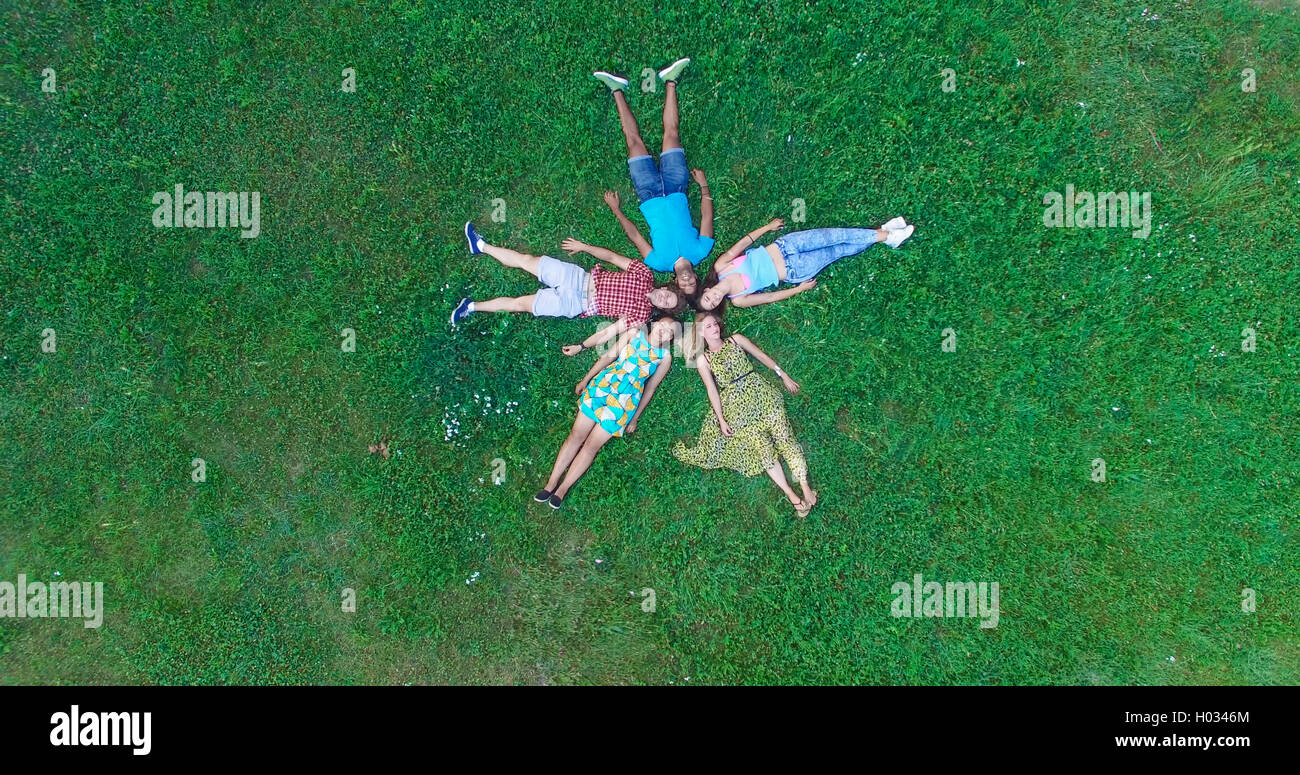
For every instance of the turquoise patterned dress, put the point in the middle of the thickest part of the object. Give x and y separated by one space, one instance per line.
613 395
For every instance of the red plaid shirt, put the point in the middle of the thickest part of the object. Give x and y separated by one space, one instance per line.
623 294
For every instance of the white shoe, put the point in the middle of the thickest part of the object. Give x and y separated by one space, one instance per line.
894 223
896 238
673 71
611 81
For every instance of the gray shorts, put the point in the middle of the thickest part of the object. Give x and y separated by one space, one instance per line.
565 294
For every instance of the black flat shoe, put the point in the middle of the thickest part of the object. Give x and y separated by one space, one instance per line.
542 496
556 501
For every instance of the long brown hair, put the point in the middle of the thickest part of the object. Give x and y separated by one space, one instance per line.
710 280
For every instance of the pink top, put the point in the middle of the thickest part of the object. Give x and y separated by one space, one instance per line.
735 264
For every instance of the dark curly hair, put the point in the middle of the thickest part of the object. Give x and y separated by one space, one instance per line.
680 305
657 315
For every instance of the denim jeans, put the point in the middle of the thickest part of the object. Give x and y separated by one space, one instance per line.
808 252
669 176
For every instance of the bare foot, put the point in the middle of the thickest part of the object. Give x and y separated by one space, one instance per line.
380 448
810 495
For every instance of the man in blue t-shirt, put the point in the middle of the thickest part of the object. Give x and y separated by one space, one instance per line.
675 244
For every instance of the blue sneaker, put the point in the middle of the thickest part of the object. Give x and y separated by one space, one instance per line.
461 312
472 237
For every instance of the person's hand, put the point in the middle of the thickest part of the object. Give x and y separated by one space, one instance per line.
572 246
790 384
571 349
581 386
611 199
776 224
631 428
807 285
698 175
726 429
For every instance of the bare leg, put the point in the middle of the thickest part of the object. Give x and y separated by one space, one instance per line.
514 258
635 147
595 440
582 425
809 494
783 438
505 304
778 475
672 136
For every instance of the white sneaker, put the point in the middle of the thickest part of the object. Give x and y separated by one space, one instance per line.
894 223
611 81
896 238
673 71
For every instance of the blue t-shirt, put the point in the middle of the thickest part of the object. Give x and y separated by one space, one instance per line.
672 234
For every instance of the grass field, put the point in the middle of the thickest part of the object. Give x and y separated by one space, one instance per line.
1072 344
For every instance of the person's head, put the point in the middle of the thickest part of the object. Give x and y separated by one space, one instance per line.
716 297
662 328
686 281
712 298
709 327
668 299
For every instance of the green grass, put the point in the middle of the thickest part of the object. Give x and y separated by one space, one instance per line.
973 465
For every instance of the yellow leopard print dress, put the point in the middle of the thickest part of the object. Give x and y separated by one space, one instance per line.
755 410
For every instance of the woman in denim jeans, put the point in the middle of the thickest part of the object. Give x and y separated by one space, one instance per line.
795 258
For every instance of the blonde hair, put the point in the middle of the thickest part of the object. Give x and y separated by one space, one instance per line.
693 346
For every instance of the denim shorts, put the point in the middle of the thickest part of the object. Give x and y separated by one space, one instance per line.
670 176
565 294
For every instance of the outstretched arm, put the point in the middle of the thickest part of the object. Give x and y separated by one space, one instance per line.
597 339
629 228
755 299
572 246
745 243
766 360
706 204
650 388
711 387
